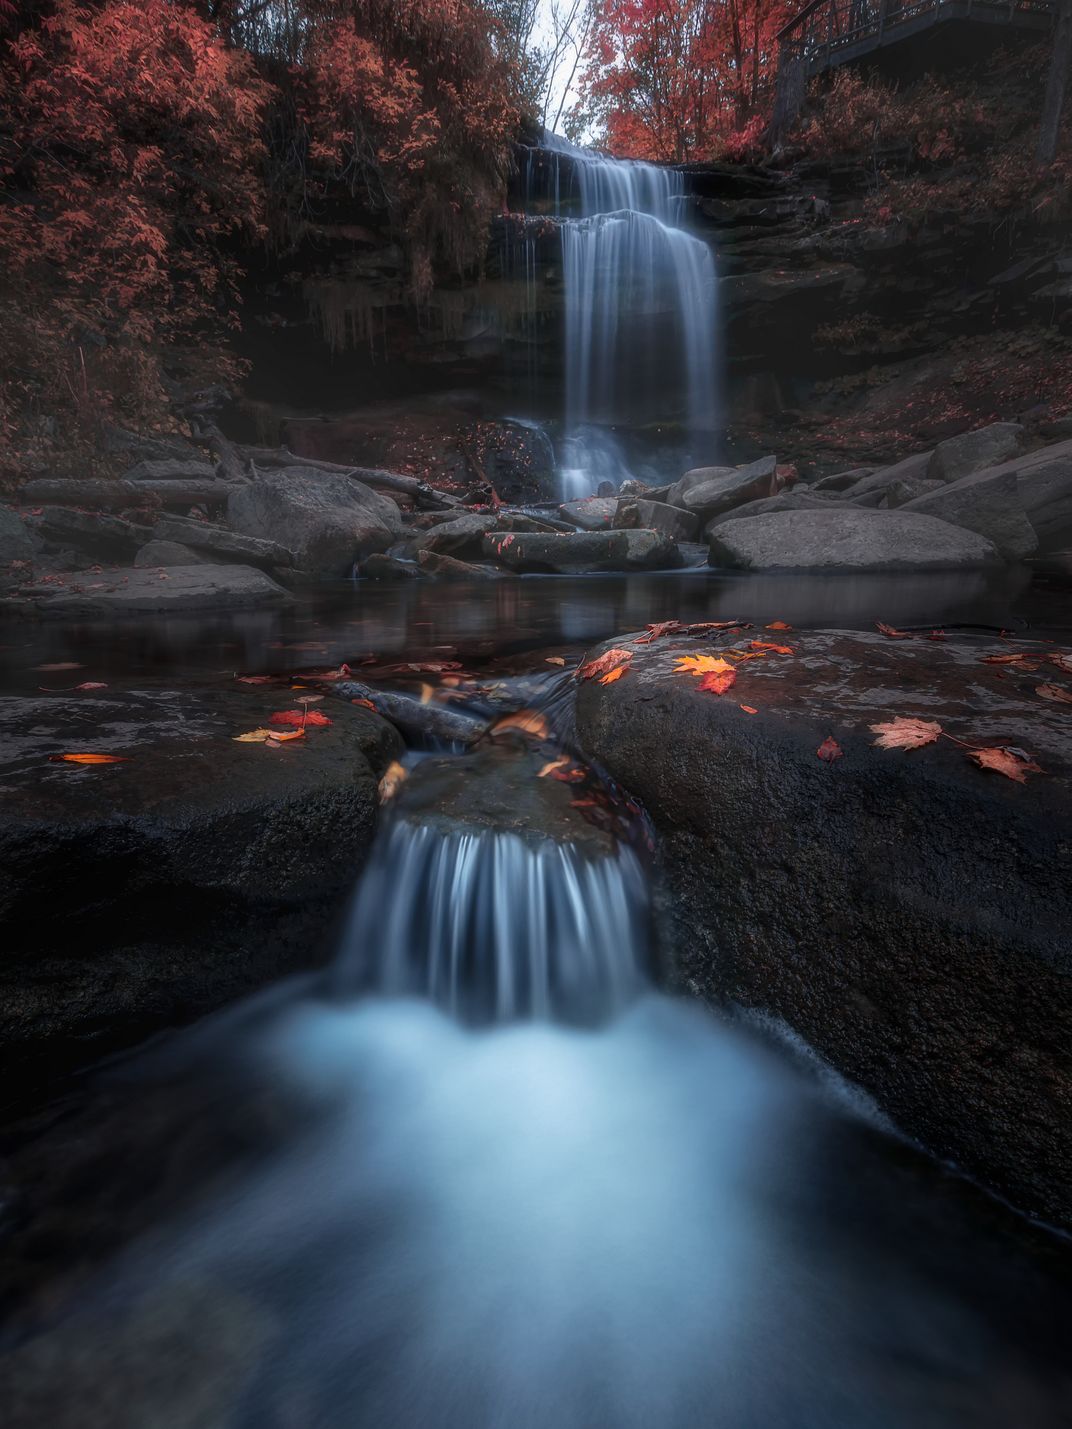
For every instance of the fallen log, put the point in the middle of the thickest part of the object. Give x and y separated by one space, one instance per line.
425 721
95 494
422 494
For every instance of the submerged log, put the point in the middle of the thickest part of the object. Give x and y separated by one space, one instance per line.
428 721
422 494
102 495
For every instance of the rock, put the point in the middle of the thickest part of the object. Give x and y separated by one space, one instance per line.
972 451
1045 489
219 542
92 531
676 493
168 553
15 541
162 448
721 494
840 480
446 568
171 469
584 551
679 525
592 513
181 590
464 536
379 567
990 506
910 469
910 915
899 493
326 522
198 870
784 501
848 540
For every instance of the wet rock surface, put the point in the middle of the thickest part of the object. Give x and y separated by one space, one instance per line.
136 590
908 913
848 540
140 894
583 552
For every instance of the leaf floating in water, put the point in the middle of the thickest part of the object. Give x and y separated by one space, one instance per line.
766 645
394 776
1054 692
88 758
777 625
701 665
829 750
615 674
527 721
892 633
604 663
717 683
904 733
1014 765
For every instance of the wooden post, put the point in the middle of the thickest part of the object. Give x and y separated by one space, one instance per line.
1056 84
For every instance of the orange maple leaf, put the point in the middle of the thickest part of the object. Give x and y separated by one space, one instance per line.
612 675
905 733
748 709
662 627
778 625
701 665
603 663
1004 761
766 645
88 758
718 684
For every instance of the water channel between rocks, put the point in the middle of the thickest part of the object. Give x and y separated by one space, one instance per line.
482 1171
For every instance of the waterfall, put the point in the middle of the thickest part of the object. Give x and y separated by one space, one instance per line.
492 926
640 291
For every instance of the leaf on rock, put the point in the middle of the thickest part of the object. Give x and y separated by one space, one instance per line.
267 736
554 660
661 627
892 633
552 765
699 625
936 635
88 758
718 684
777 625
1063 662
829 750
1025 658
609 660
615 674
748 709
256 679
1004 761
904 733
299 718
766 645
1054 692
91 685
394 776
527 721
701 665
367 704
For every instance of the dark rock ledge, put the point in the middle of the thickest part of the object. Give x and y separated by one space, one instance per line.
910 914
137 896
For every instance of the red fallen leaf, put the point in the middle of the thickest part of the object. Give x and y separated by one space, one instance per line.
568 776
701 665
1004 761
717 625
892 633
615 674
275 739
777 625
1023 657
552 765
91 685
298 718
748 709
554 660
367 704
829 750
766 645
1054 692
256 679
936 635
1063 662
717 683
609 660
584 803
905 733
661 627
88 758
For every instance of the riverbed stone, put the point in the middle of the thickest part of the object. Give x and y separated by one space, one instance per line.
326 521
679 525
784 501
169 553
583 552
711 498
181 590
591 513
381 567
171 469
96 532
219 543
991 507
841 480
910 469
973 451
194 871
15 541
696 477
446 568
848 539
909 914
905 489
463 537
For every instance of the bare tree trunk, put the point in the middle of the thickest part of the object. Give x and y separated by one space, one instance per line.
1056 85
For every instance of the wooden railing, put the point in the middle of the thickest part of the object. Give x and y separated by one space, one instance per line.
827 32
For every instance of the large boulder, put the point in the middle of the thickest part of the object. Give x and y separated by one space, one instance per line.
841 480
194 871
326 521
591 513
218 543
446 568
910 469
463 537
15 541
99 534
784 501
182 590
712 498
675 495
973 451
679 525
847 539
989 505
169 553
583 552
901 492
1045 488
